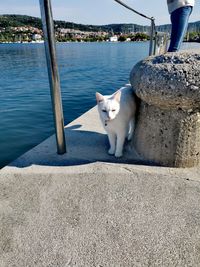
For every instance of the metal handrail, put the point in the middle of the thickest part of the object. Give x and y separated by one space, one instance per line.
152 37
54 80
130 8
153 27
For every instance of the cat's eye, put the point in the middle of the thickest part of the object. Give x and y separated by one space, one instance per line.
113 110
104 110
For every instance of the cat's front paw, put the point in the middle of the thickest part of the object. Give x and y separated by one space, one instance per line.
118 154
111 151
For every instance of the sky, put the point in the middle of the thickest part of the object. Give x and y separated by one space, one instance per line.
97 12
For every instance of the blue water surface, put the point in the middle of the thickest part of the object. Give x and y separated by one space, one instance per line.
25 105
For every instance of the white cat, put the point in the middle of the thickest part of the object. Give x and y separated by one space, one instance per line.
117 113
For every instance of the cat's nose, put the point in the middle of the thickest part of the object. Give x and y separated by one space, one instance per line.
109 116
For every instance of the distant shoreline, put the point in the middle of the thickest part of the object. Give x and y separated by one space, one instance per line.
42 42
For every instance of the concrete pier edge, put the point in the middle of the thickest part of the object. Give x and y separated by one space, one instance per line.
86 208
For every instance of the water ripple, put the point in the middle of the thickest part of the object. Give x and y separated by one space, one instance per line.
25 104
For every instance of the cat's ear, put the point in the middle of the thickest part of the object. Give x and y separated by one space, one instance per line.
117 96
99 97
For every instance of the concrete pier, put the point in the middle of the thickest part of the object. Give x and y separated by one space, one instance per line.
87 208
168 127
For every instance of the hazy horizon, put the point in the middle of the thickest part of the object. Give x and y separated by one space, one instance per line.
95 24
101 13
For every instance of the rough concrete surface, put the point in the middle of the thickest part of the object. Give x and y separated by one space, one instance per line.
168 127
100 215
88 209
169 81
167 137
86 142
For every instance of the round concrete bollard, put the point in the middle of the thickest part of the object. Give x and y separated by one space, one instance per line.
168 123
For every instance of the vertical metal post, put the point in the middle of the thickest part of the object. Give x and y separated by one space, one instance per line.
50 48
152 33
155 43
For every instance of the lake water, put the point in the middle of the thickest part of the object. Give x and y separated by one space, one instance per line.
25 106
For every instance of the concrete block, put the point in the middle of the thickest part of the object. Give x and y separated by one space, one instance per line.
168 126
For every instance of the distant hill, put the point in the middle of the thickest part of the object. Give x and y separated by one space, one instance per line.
23 20
19 20
192 27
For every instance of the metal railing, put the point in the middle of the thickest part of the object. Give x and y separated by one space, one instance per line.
54 80
152 28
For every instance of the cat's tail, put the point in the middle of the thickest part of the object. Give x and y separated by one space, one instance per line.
130 86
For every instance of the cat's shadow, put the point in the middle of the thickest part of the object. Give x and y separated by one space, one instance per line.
83 147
